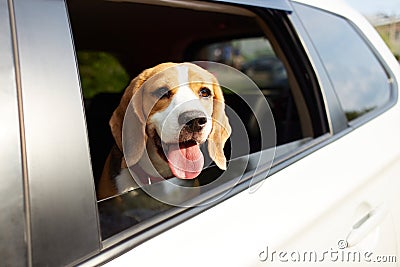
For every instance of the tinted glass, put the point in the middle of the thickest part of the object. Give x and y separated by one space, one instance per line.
359 80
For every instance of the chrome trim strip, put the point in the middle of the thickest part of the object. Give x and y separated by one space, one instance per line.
27 204
13 248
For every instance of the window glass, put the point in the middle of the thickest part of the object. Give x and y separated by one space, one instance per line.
358 78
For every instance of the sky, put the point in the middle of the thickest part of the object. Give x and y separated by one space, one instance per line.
371 7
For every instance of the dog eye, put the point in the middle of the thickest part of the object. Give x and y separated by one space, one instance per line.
205 92
162 92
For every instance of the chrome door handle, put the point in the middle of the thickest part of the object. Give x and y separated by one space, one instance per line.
365 225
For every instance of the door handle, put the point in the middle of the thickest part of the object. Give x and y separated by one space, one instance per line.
366 225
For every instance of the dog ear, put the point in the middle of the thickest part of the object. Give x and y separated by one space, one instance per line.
221 129
128 117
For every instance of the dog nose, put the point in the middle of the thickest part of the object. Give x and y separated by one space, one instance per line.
192 120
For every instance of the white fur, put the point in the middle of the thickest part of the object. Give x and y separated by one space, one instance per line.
166 121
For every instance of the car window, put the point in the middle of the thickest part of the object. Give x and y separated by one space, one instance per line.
360 81
271 99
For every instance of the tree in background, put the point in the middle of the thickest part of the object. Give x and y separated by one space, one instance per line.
100 72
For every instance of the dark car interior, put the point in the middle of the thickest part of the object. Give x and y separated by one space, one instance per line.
140 40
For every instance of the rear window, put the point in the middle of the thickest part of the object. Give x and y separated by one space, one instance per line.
360 81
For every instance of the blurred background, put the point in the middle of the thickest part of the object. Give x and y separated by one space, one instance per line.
384 15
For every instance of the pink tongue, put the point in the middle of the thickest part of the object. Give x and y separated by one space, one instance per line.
185 162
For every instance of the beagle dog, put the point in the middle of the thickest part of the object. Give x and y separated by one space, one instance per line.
164 115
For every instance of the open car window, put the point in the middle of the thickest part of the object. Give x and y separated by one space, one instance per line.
273 105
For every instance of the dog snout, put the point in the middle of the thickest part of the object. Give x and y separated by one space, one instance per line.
192 120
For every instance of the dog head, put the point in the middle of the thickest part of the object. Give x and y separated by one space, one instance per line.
168 111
